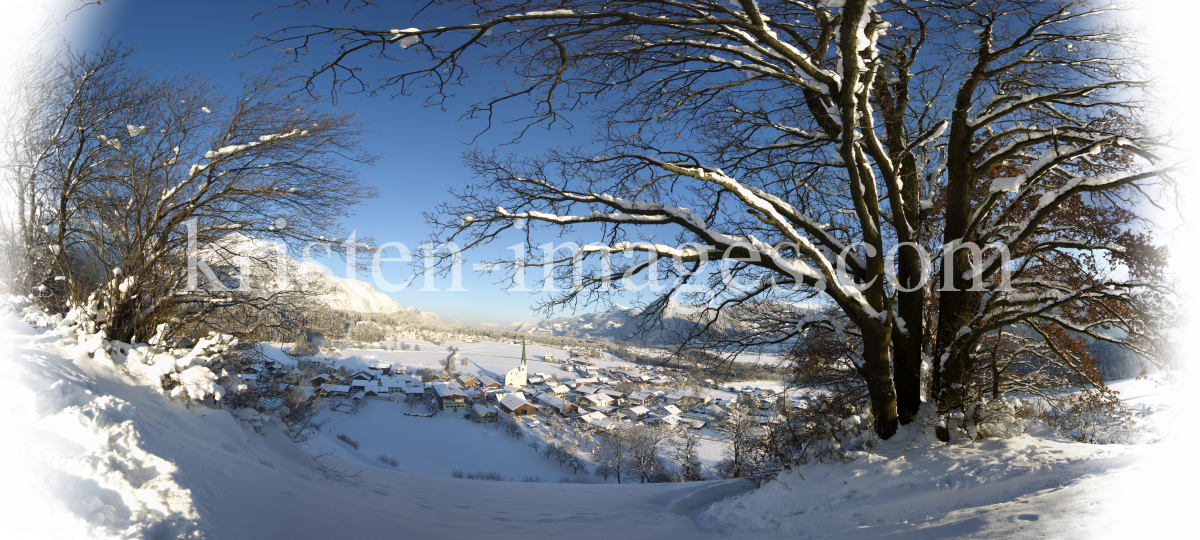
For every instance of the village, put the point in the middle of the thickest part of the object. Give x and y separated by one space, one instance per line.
582 398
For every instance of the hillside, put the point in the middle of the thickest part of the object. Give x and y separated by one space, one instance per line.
98 450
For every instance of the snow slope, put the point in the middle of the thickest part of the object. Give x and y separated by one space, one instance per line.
96 450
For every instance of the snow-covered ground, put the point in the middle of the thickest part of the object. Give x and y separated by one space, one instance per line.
431 446
92 449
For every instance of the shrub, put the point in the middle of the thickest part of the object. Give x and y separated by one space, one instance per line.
349 442
389 460
456 473
490 475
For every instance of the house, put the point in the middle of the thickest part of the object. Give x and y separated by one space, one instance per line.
467 381
484 413
398 383
636 413
689 398
596 400
670 410
641 397
451 397
515 405
586 390
361 385
669 420
377 392
618 397
560 405
338 389
488 382
559 389
598 421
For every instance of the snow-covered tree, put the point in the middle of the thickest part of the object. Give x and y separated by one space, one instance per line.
817 149
684 450
738 428
132 186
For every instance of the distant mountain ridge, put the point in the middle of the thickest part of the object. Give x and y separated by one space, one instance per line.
620 323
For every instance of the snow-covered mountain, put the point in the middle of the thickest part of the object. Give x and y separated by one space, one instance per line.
601 324
339 293
619 323
355 296
654 326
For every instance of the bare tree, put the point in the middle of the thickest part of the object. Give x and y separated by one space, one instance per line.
646 444
739 428
164 198
684 450
816 149
613 451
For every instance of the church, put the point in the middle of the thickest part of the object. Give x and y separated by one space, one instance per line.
516 377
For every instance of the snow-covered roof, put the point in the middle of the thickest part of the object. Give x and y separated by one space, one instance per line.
639 410
598 399
487 381
512 401
670 420
444 390
552 400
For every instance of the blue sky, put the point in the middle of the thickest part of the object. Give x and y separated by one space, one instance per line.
420 146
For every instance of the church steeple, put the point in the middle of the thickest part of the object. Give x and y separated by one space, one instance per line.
522 354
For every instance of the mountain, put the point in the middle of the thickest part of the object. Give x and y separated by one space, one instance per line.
430 316
342 294
355 296
620 323
601 324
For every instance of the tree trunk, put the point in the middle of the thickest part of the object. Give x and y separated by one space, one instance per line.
876 371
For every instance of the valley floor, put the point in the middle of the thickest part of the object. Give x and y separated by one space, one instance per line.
93 452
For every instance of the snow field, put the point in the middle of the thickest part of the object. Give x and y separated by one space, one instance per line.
433 446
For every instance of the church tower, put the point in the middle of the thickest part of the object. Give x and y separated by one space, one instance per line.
517 377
